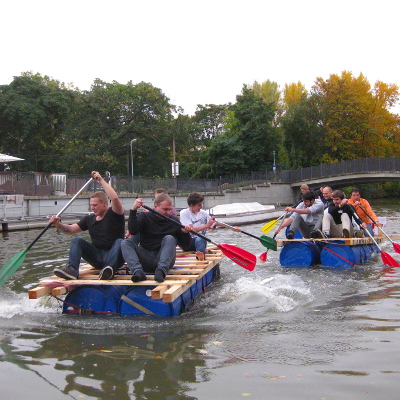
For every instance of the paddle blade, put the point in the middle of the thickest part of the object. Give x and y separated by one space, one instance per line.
263 256
269 226
268 242
12 265
239 256
389 260
396 247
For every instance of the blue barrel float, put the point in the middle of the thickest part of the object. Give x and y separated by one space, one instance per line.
100 298
341 256
300 254
137 300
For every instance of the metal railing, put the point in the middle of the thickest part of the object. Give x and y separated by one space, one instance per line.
41 184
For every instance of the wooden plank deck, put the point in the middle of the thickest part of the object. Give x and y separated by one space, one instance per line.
185 272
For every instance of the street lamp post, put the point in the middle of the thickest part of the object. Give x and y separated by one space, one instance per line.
133 140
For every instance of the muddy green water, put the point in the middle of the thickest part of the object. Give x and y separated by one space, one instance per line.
274 333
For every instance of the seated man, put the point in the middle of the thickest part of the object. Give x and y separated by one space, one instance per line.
156 250
200 221
362 208
106 227
305 216
337 221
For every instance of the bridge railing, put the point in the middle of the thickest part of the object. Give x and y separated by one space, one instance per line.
342 167
41 184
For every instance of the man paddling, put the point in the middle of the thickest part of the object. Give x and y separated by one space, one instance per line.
337 221
156 251
305 216
106 227
365 212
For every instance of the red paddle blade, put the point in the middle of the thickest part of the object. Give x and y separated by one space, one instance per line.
239 256
263 256
389 260
396 247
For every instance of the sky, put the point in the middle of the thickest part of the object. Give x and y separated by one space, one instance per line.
199 52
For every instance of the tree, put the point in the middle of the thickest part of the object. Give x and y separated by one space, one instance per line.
109 117
356 120
210 120
33 114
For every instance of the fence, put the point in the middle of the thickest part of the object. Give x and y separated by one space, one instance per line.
41 184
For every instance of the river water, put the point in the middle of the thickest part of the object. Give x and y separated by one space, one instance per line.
274 333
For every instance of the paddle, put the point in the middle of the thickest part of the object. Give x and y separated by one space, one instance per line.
271 224
263 257
386 258
265 240
239 256
12 265
396 247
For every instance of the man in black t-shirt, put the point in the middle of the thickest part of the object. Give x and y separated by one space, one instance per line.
106 227
156 251
337 221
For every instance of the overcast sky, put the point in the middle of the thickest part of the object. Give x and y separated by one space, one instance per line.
199 52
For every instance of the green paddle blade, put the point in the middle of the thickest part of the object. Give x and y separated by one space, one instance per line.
268 242
269 226
11 266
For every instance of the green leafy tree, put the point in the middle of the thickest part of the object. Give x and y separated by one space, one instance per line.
109 117
33 114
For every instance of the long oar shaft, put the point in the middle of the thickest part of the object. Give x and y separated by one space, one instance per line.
375 222
178 223
12 265
239 256
241 231
60 212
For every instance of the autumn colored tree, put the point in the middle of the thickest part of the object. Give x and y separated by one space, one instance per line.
356 120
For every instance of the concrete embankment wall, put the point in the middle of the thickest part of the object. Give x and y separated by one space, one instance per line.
37 209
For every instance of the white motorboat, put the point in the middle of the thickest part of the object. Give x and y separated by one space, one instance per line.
243 213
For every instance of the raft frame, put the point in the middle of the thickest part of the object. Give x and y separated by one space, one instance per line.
184 281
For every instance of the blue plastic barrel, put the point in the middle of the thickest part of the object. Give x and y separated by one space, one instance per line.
299 254
297 235
342 256
104 298
142 296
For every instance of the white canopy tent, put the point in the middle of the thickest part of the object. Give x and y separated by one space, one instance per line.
4 158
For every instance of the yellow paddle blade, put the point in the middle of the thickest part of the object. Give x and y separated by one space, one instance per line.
269 226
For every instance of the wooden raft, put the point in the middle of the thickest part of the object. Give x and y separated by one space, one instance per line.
345 241
185 272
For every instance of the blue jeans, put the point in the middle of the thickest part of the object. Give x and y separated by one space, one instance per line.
98 258
198 244
138 257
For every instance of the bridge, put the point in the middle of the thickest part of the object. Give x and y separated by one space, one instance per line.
345 173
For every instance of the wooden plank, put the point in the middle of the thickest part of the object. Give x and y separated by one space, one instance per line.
174 292
345 241
59 291
158 291
182 271
39 292
128 282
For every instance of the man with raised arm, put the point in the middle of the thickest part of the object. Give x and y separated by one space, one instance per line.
106 227
156 250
